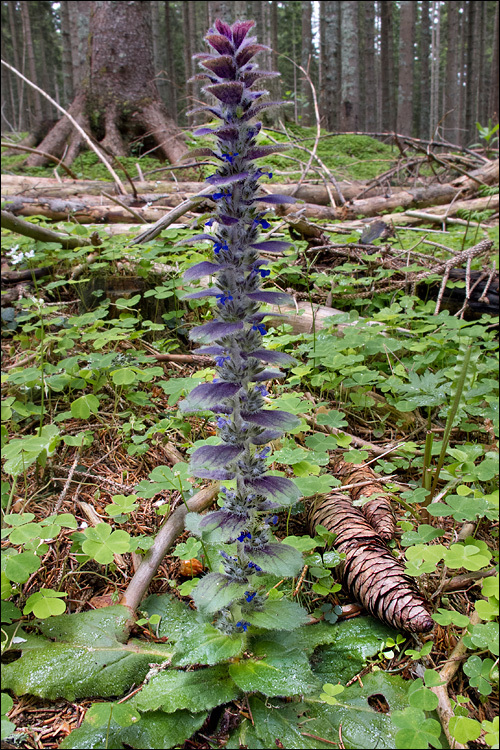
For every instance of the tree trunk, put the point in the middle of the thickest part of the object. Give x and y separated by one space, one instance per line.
369 67
405 86
452 94
472 81
119 91
387 65
171 77
34 96
79 22
67 63
220 9
425 82
305 61
349 106
493 99
19 119
331 63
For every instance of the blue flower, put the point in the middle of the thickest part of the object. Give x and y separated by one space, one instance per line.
263 392
249 596
218 246
272 519
222 194
263 223
230 157
244 535
209 222
223 298
222 422
243 624
265 451
261 328
219 361
255 567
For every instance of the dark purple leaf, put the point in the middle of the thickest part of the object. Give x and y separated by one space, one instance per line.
246 53
223 67
227 220
228 133
280 420
227 93
216 180
201 77
199 270
214 350
276 198
214 110
198 152
260 151
232 523
250 77
224 28
217 474
215 455
214 330
258 108
220 43
204 56
204 131
240 30
197 238
206 395
268 375
266 436
272 298
279 489
210 292
273 357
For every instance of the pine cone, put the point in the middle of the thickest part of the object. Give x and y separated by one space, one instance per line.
370 573
378 511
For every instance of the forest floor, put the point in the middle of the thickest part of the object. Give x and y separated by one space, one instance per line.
95 371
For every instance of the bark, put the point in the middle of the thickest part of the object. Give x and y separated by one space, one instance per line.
79 22
187 19
451 91
67 63
119 90
472 81
349 104
404 120
369 572
387 65
305 61
425 81
435 55
378 511
370 67
171 77
331 63
220 9
493 99
34 96
20 120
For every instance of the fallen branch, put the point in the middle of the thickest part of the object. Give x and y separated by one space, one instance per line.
27 229
55 159
165 538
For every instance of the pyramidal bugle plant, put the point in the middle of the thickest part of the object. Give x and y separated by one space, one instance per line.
235 595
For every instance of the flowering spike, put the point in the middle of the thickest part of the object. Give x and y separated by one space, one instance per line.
234 338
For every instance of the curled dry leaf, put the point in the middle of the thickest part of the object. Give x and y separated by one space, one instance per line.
370 573
190 568
378 511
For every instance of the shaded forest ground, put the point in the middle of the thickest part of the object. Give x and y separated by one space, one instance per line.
136 428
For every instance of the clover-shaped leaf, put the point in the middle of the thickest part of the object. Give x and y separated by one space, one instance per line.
121 504
329 693
468 556
484 635
449 616
45 603
416 730
102 544
478 670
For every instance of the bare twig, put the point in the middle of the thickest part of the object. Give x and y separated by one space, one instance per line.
127 208
26 228
75 124
59 162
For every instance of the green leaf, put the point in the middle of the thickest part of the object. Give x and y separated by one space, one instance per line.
416 730
355 456
483 636
468 556
216 591
19 567
275 671
45 603
329 693
279 559
449 616
194 691
279 615
208 645
301 543
156 731
84 406
85 657
102 544
123 376
422 535
316 485
464 729
422 697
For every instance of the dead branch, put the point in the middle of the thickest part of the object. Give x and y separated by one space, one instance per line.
26 228
59 162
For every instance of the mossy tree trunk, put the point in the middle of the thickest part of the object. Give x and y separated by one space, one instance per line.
117 101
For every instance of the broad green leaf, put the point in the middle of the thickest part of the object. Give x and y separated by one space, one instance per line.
208 645
87 658
215 591
282 614
19 567
156 731
84 406
278 559
275 670
302 543
177 619
195 691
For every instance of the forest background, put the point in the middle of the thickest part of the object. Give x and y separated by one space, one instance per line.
419 68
